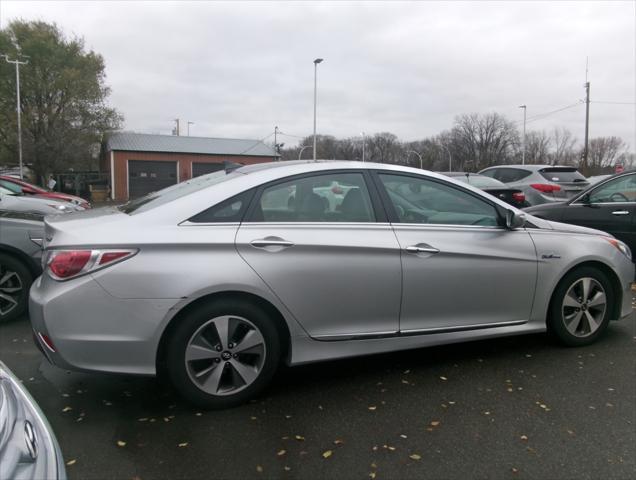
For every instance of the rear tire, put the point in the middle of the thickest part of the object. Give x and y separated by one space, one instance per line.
580 308
222 354
15 282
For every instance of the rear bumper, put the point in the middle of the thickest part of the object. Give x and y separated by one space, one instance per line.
91 330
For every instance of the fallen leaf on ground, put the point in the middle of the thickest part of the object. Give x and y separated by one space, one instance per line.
66 409
327 454
524 438
286 468
403 436
443 378
281 453
434 423
372 475
338 442
415 456
259 469
300 438
184 444
372 407
514 470
121 443
71 462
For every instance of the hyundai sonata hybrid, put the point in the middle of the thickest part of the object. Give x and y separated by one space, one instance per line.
217 280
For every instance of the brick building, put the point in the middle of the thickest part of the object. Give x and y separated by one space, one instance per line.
140 163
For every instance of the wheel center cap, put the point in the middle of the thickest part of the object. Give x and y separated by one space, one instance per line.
584 307
226 355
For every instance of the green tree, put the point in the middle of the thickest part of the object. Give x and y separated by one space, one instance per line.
63 99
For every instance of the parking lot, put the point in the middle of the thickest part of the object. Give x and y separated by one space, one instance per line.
520 407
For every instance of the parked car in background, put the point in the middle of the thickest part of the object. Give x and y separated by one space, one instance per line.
20 186
21 236
540 183
28 447
609 205
513 196
596 178
215 286
18 202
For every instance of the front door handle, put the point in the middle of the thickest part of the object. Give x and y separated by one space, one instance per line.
271 242
421 248
620 212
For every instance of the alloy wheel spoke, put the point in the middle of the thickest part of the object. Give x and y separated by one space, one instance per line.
598 300
251 340
213 382
247 372
586 284
570 301
574 323
591 321
222 325
198 352
8 298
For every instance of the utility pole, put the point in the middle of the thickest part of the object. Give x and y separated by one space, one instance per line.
316 62
587 126
364 141
523 151
17 64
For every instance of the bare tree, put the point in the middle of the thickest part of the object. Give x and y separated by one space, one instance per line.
384 148
603 152
538 147
564 152
485 140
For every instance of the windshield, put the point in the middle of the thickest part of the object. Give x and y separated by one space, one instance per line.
161 197
562 175
6 191
12 187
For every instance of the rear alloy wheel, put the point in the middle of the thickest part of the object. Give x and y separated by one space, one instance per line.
223 354
580 309
15 281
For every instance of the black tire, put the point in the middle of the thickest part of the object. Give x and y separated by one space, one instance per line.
556 318
23 278
197 319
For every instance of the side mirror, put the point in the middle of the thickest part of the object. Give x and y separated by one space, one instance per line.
515 220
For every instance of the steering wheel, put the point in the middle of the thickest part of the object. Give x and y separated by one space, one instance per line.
618 197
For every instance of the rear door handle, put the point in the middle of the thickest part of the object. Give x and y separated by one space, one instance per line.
620 212
421 248
271 242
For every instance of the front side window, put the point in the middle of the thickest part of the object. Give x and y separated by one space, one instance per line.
338 197
425 201
619 190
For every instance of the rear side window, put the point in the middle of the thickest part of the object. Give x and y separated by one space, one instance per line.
509 175
562 175
228 211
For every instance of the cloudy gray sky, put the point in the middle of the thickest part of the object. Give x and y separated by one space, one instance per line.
237 69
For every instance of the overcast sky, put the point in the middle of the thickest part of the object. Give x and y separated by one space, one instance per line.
237 69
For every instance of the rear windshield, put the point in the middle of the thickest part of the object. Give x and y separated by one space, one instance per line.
161 197
562 175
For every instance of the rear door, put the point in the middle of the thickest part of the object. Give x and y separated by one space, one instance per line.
461 270
332 259
610 207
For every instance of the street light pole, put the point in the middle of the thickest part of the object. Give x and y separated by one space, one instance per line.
316 62
420 156
523 151
450 159
17 64
301 150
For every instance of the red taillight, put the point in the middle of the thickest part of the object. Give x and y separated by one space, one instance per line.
68 263
108 257
545 187
337 190
519 197
65 264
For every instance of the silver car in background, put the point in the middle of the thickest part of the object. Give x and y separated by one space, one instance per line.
218 279
28 447
540 183
11 201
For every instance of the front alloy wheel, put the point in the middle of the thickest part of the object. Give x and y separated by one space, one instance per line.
581 306
221 354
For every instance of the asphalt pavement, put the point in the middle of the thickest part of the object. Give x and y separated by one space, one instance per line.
519 407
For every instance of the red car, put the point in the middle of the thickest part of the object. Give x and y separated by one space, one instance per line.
20 186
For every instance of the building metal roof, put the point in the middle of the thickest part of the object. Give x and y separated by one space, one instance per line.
142 142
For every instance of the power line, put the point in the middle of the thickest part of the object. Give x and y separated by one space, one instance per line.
256 143
540 116
289 135
616 103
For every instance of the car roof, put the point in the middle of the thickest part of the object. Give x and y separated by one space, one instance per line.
533 167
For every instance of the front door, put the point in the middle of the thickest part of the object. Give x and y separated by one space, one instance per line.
320 245
461 269
610 207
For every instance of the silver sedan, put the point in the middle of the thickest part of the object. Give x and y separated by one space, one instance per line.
217 280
